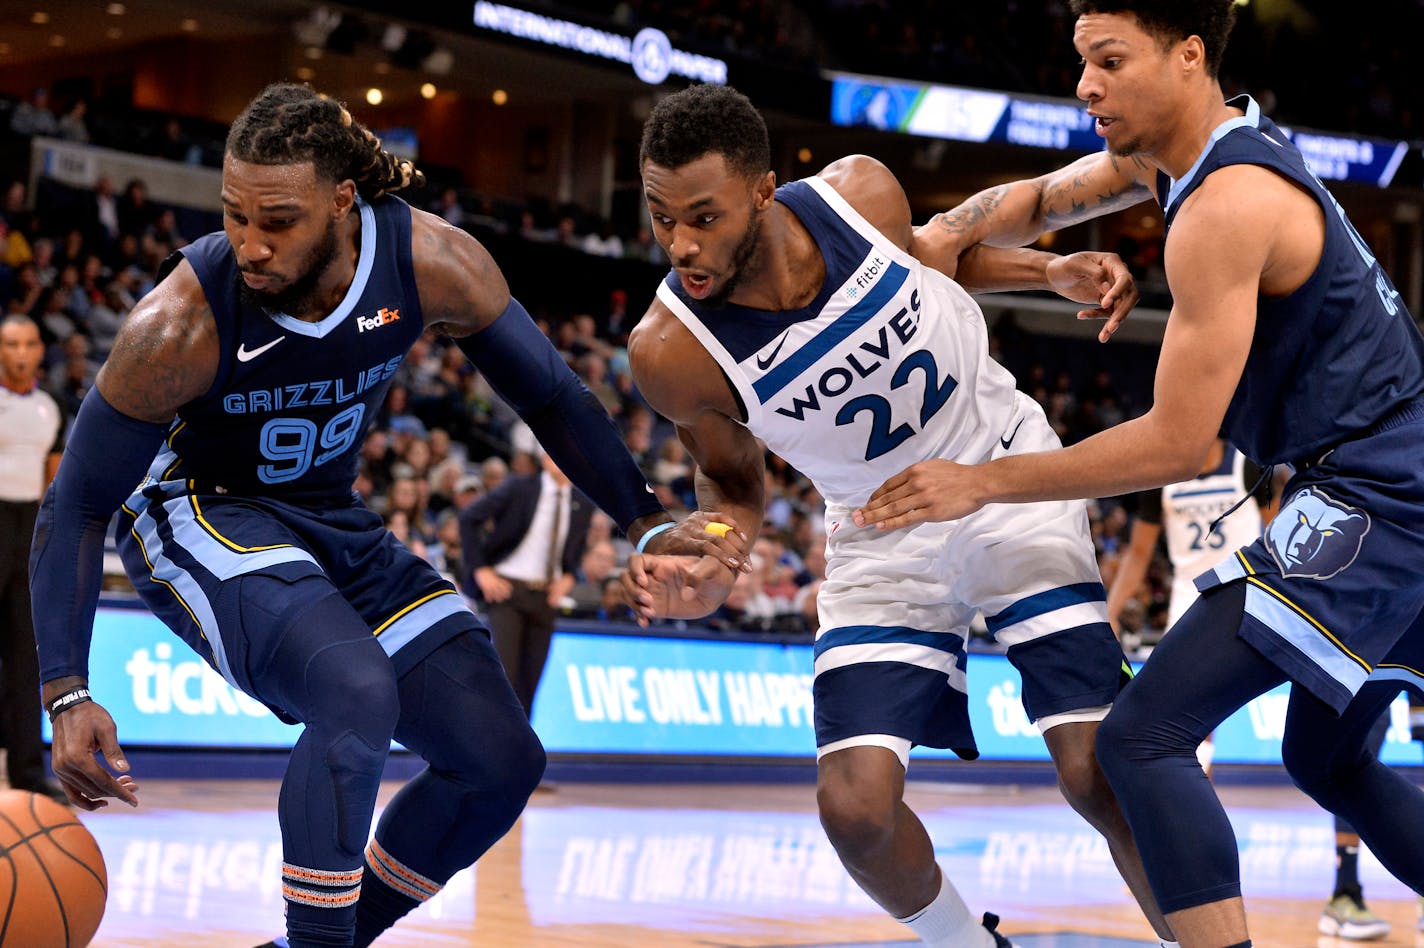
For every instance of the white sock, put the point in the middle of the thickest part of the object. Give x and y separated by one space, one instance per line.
946 922
1170 944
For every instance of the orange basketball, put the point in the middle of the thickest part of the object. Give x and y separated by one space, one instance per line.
52 878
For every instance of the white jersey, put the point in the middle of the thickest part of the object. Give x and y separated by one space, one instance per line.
1188 510
30 426
889 364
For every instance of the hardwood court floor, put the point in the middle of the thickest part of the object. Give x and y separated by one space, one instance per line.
684 865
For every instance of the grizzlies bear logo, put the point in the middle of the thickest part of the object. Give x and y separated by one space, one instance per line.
1316 537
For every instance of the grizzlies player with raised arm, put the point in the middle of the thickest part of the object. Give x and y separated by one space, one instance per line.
798 315
1285 334
227 424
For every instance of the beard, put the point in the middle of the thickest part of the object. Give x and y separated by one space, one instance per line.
747 253
297 296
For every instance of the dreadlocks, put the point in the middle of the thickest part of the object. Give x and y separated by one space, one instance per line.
289 123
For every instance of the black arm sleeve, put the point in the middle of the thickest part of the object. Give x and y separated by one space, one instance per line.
527 371
107 456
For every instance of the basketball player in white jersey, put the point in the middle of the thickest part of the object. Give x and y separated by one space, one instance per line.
800 316
1204 519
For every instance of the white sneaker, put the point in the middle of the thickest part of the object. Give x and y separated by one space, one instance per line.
1346 917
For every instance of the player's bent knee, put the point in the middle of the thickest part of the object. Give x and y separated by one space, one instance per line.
353 687
521 761
1313 772
856 818
1084 787
1111 744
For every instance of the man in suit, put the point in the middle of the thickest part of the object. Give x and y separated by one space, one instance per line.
521 545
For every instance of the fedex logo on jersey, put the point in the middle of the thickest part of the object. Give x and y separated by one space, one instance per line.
384 317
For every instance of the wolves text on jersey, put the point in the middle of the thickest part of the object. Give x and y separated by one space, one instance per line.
861 362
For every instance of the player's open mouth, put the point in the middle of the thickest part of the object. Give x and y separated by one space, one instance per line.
696 284
1101 124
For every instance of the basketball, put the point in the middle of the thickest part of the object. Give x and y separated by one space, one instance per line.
52 879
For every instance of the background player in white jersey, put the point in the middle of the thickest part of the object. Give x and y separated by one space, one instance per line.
1203 518
800 316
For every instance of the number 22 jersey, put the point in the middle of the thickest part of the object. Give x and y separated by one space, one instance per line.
887 366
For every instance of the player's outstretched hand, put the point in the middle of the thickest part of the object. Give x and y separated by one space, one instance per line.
675 587
705 533
80 735
1098 278
927 491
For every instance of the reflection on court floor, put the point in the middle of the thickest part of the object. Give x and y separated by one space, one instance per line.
621 865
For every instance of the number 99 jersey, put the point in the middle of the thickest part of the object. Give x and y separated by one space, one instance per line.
887 366
293 399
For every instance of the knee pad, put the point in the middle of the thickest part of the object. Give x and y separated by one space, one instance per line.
356 768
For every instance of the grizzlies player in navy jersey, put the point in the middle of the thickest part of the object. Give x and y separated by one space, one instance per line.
1286 334
798 316
226 424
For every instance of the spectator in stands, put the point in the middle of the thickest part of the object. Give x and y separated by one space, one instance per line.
72 375
106 212
599 564
106 316
161 236
447 205
602 241
33 117
134 209
444 551
644 247
25 289
493 471
521 545
174 144
72 126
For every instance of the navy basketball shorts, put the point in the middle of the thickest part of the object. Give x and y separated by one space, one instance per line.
187 554
895 609
1334 587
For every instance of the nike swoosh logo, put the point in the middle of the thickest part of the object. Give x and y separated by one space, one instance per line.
764 364
1010 439
247 355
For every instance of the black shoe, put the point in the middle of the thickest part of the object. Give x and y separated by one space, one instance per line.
991 922
44 786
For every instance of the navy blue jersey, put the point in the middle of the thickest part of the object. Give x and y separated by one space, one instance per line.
1332 358
292 399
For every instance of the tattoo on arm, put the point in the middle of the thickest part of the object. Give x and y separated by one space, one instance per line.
977 210
1078 198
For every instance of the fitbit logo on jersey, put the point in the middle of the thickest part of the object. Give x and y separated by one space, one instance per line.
871 270
385 317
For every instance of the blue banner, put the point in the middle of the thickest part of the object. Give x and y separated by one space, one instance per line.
620 694
980 115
